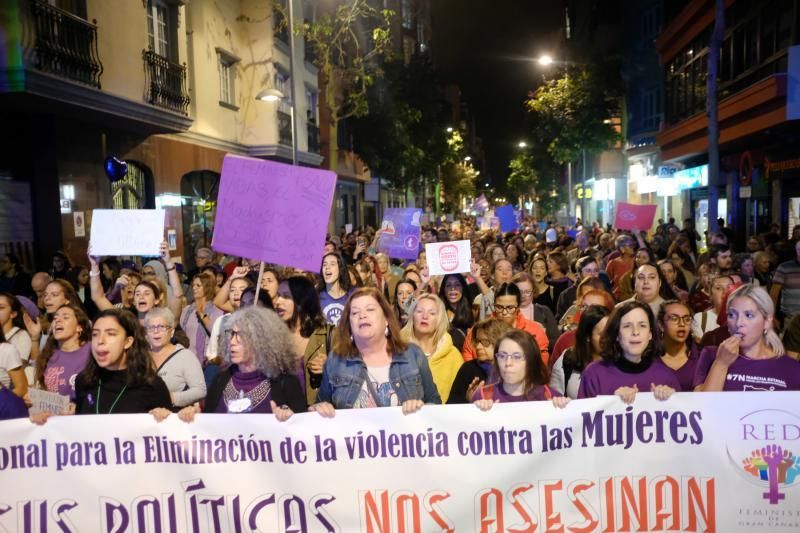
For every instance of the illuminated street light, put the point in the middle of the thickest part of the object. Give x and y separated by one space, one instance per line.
468 158
522 144
270 95
449 129
545 60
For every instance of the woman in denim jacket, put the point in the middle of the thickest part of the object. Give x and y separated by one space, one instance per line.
369 364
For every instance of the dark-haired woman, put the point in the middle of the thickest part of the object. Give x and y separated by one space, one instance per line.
454 292
630 358
522 375
370 365
57 292
13 325
557 269
566 374
66 353
473 374
403 298
335 287
260 376
297 303
680 353
120 376
78 277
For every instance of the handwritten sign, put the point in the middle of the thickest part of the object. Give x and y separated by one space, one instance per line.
507 217
47 402
400 233
634 217
448 257
127 231
273 212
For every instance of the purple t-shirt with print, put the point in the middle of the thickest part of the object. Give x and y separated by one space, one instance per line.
602 378
780 373
63 368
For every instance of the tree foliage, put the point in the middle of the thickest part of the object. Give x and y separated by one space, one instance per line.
403 139
572 113
533 173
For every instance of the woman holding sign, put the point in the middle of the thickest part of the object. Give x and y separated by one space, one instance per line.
630 358
428 330
66 352
335 287
753 358
370 365
260 376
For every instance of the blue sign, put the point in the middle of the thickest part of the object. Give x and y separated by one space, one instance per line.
508 219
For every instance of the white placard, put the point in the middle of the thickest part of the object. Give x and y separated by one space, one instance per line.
127 231
448 257
79 223
47 402
348 229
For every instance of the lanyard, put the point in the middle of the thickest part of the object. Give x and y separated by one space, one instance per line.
97 406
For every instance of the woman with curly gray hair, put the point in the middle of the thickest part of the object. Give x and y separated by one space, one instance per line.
260 377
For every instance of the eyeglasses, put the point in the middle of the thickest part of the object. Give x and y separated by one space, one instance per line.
234 334
675 319
526 293
158 328
484 341
505 309
515 357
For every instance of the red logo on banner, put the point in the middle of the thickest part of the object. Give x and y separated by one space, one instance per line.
448 258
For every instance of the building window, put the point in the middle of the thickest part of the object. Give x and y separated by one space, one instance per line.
407 14
226 65
162 28
312 103
199 191
421 37
134 191
651 109
408 49
282 81
650 23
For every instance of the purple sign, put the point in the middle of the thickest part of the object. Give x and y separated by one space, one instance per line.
273 212
400 233
508 218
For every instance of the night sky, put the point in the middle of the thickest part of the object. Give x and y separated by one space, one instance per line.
487 47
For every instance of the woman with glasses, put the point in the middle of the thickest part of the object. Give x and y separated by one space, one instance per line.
473 374
370 365
234 288
680 353
507 299
533 311
522 375
177 366
630 358
428 330
260 376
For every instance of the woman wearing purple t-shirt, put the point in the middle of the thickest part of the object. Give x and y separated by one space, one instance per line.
630 358
66 352
523 374
753 357
680 353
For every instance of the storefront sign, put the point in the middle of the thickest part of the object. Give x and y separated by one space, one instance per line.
722 463
745 192
779 167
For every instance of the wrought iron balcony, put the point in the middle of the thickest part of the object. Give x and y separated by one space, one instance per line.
313 138
284 128
66 45
165 82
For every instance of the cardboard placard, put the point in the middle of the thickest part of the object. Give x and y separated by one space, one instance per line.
47 402
273 212
448 257
127 231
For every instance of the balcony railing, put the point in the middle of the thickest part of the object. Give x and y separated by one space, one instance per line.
284 128
313 138
165 82
66 45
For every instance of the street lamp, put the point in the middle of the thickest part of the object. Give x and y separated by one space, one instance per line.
270 95
468 158
545 60
522 144
449 129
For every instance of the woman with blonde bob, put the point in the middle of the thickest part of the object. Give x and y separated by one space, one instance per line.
370 365
753 357
427 328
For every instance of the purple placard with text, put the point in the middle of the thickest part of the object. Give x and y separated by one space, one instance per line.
400 231
273 212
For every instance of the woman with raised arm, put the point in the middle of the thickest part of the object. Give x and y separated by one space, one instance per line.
370 365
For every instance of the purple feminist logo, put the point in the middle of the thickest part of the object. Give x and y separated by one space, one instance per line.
776 466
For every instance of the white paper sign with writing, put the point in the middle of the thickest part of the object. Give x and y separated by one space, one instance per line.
47 402
448 257
127 231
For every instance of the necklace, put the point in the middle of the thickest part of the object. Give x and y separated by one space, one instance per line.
238 401
97 405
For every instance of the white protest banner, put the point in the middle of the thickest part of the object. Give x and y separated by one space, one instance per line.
712 462
273 212
448 257
127 231
43 401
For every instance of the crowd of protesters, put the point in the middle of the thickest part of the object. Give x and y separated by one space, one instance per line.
545 313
